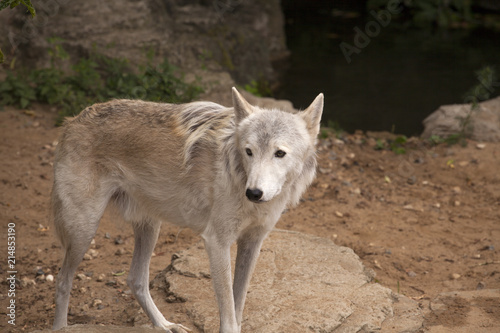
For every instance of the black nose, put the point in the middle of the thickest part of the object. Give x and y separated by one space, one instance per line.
254 194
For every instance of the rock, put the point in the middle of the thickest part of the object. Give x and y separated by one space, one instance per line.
301 283
50 278
485 122
240 37
104 329
480 146
464 312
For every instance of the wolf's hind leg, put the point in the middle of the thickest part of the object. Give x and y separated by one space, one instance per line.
146 235
76 226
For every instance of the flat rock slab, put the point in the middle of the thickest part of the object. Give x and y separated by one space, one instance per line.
301 283
103 329
465 311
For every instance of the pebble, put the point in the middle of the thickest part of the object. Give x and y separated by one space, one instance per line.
411 274
120 251
101 277
107 235
49 278
411 180
96 302
480 146
457 189
480 286
93 253
339 214
455 276
118 240
27 282
324 170
81 276
456 203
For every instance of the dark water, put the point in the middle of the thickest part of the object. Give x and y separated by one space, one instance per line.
395 81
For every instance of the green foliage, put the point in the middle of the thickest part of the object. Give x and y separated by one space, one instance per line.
14 3
96 78
436 140
398 145
15 91
259 88
380 144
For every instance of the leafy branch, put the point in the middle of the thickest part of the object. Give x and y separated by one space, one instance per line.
14 3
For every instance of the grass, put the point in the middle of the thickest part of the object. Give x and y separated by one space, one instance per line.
96 78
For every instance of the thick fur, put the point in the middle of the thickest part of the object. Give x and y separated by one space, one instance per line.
227 173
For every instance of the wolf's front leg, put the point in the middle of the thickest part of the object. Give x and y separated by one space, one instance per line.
220 269
249 245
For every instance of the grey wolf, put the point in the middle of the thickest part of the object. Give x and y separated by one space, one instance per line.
227 173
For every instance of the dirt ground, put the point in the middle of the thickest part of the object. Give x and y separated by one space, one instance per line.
426 222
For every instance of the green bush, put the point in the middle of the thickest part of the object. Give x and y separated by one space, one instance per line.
96 78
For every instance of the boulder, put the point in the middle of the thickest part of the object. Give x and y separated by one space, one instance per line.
301 283
484 124
239 37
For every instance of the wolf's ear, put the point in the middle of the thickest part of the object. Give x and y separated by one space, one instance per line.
312 115
242 108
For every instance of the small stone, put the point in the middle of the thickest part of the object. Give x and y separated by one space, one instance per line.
457 189
93 253
480 286
351 156
411 274
27 282
455 276
118 240
480 146
81 277
339 214
324 170
456 203
96 302
101 277
411 180
87 256
83 290
357 190
120 251
476 256
107 235
437 205
49 278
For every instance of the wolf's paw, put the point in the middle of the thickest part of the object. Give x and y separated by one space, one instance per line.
176 328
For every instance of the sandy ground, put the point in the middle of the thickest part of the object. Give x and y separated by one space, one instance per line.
426 222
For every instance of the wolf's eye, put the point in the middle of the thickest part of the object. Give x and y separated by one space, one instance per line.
279 153
249 152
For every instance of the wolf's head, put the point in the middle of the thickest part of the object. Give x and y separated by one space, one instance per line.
277 148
